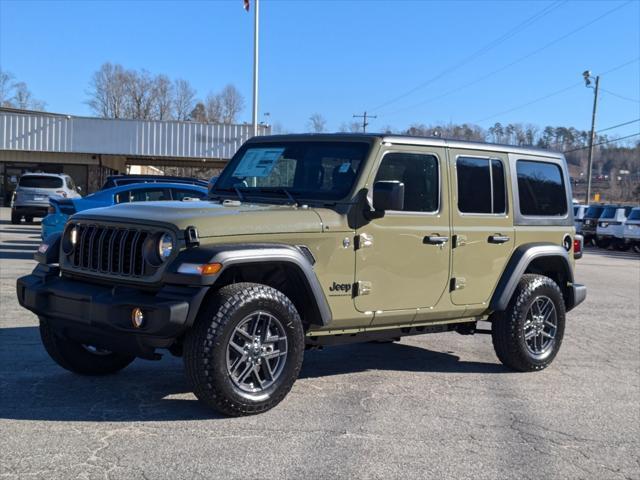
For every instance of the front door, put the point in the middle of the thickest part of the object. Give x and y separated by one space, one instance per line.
402 259
483 232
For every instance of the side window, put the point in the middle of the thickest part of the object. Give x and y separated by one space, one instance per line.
181 194
541 189
123 197
70 184
481 187
150 194
419 173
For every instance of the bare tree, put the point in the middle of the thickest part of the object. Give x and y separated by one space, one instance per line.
316 123
199 113
6 88
163 97
232 103
140 95
17 94
108 89
213 108
184 99
353 127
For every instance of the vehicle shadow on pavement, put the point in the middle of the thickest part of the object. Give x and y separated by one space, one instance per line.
33 387
388 356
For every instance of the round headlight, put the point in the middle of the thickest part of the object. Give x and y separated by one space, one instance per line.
165 246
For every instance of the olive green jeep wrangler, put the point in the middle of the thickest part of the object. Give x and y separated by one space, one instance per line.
314 240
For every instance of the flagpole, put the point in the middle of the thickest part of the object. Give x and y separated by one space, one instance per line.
255 65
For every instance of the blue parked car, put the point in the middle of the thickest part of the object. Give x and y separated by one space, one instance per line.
60 209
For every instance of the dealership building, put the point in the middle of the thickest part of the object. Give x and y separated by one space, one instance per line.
90 149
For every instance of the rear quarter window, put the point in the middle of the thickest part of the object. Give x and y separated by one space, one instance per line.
541 189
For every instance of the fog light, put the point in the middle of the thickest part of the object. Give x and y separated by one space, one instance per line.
137 317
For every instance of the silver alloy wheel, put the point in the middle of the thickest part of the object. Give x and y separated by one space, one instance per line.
540 327
256 352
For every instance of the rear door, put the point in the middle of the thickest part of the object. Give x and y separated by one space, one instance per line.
482 225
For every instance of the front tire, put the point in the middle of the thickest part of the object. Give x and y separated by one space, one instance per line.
78 358
245 351
528 334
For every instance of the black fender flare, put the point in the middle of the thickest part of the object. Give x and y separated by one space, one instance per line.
232 255
520 259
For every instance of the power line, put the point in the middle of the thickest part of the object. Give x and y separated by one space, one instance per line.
603 143
481 51
518 60
619 125
635 100
552 94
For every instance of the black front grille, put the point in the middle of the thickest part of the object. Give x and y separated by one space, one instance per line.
111 250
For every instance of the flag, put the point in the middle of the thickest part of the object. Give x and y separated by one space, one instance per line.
246 4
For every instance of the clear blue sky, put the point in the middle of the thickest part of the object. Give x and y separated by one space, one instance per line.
342 57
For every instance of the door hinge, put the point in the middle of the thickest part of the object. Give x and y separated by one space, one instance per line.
457 284
362 288
364 240
458 241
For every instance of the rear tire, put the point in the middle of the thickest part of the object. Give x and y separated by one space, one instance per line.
245 351
79 358
15 218
603 243
528 334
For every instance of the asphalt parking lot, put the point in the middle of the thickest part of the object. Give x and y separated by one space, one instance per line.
433 406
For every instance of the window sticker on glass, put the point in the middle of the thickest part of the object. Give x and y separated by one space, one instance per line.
344 168
257 162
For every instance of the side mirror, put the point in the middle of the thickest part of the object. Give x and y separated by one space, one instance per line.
79 189
388 195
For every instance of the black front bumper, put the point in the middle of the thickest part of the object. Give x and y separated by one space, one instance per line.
100 315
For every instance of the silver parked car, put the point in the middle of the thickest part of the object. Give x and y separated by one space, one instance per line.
631 233
578 216
31 198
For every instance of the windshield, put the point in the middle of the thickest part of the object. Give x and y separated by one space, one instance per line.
594 212
635 214
609 212
311 170
34 181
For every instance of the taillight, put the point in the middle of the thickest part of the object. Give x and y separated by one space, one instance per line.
577 246
62 192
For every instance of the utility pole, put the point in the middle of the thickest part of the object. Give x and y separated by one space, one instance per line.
587 80
256 18
364 120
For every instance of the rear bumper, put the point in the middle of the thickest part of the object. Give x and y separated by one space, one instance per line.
31 210
101 315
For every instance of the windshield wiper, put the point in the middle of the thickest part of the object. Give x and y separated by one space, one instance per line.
281 190
288 194
239 192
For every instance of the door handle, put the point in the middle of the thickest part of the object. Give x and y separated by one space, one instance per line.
499 238
435 240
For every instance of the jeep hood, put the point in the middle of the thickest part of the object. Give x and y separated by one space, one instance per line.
214 219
